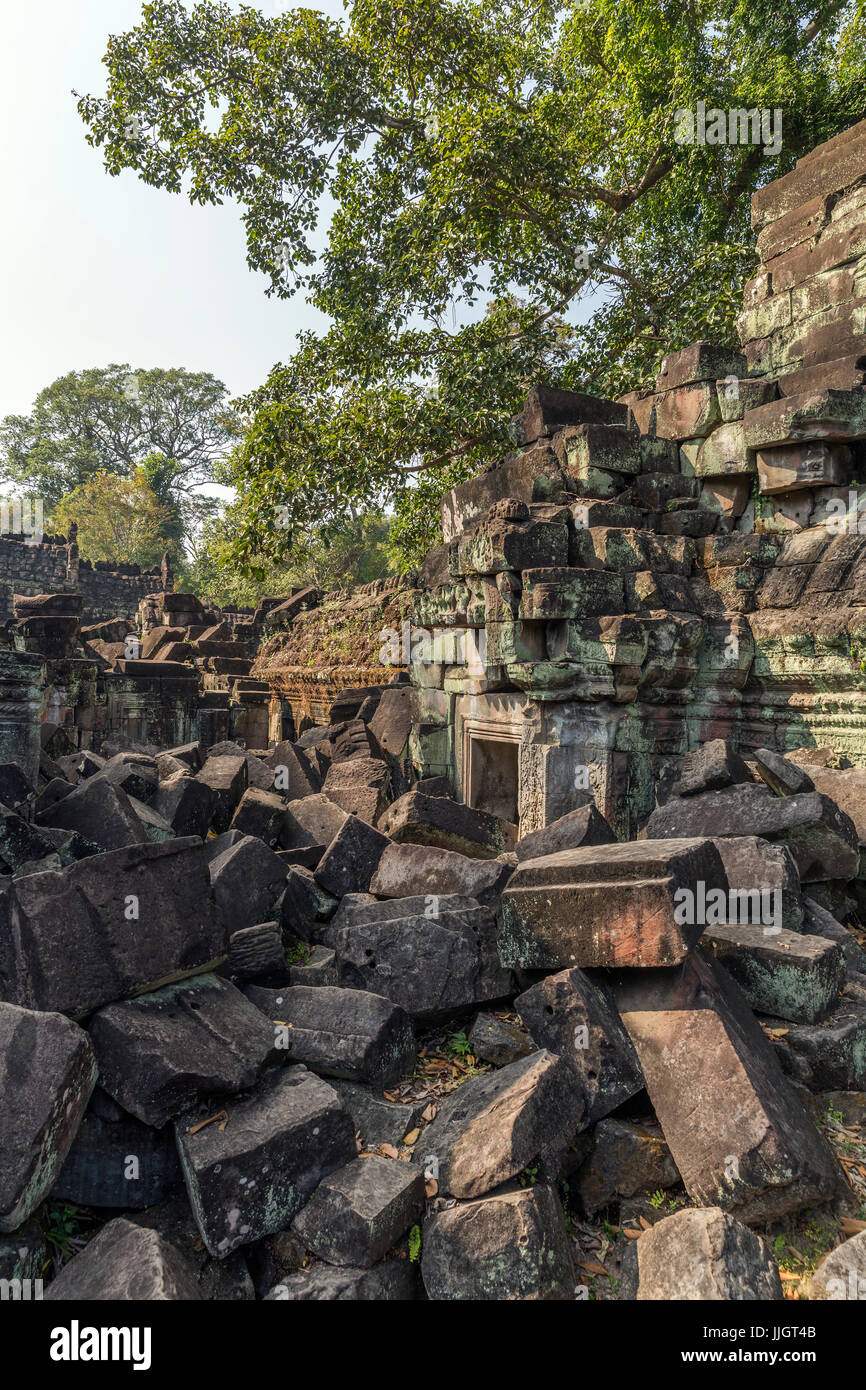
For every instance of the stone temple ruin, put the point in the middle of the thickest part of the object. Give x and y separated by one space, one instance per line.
379 945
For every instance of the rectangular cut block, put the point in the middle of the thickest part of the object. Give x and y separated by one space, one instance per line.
782 973
74 944
605 905
802 466
570 593
687 412
612 448
702 361
831 416
736 1128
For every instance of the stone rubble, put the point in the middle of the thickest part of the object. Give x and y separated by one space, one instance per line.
370 979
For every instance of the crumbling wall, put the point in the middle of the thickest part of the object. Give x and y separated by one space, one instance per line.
642 576
111 589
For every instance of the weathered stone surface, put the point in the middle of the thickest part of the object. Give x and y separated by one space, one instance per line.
15 787
446 824
161 1050
356 1214
320 968
250 1178
299 906
494 1040
134 773
392 720
407 870
48 1072
494 1125
256 951
513 1245
247 878
847 788
360 786
821 838
291 776
574 830
736 1129
625 1160
100 812
608 905
781 776
348 1033
782 973
352 857
125 1262
754 866
378 1121
313 820
110 926
228 778
715 764
830 1054
575 1017
430 961
842 1273
116 1161
227 1280
186 803
703 361
262 814
392 1280
705 1256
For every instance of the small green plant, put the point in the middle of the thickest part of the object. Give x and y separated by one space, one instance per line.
62 1226
299 953
529 1176
657 1199
459 1045
415 1244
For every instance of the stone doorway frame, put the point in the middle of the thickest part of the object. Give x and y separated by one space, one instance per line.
487 731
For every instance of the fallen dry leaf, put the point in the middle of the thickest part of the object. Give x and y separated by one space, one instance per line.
412 1136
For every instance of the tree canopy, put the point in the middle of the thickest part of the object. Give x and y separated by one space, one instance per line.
118 518
489 167
173 425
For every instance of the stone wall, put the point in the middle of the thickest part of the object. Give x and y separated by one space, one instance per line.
688 563
110 590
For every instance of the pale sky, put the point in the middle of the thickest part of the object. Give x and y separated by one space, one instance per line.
98 269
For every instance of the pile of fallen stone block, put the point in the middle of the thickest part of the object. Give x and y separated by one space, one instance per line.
223 971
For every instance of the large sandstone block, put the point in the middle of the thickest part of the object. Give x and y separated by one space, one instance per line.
820 837
312 820
703 361
247 878
48 1072
125 1263
737 1130
444 823
110 926
575 830
356 1214
359 786
606 905
705 1256
352 1034
430 961
248 1178
782 973
494 1125
351 858
513 1245
193 1038
575 1017
100 812
406 870
228 778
